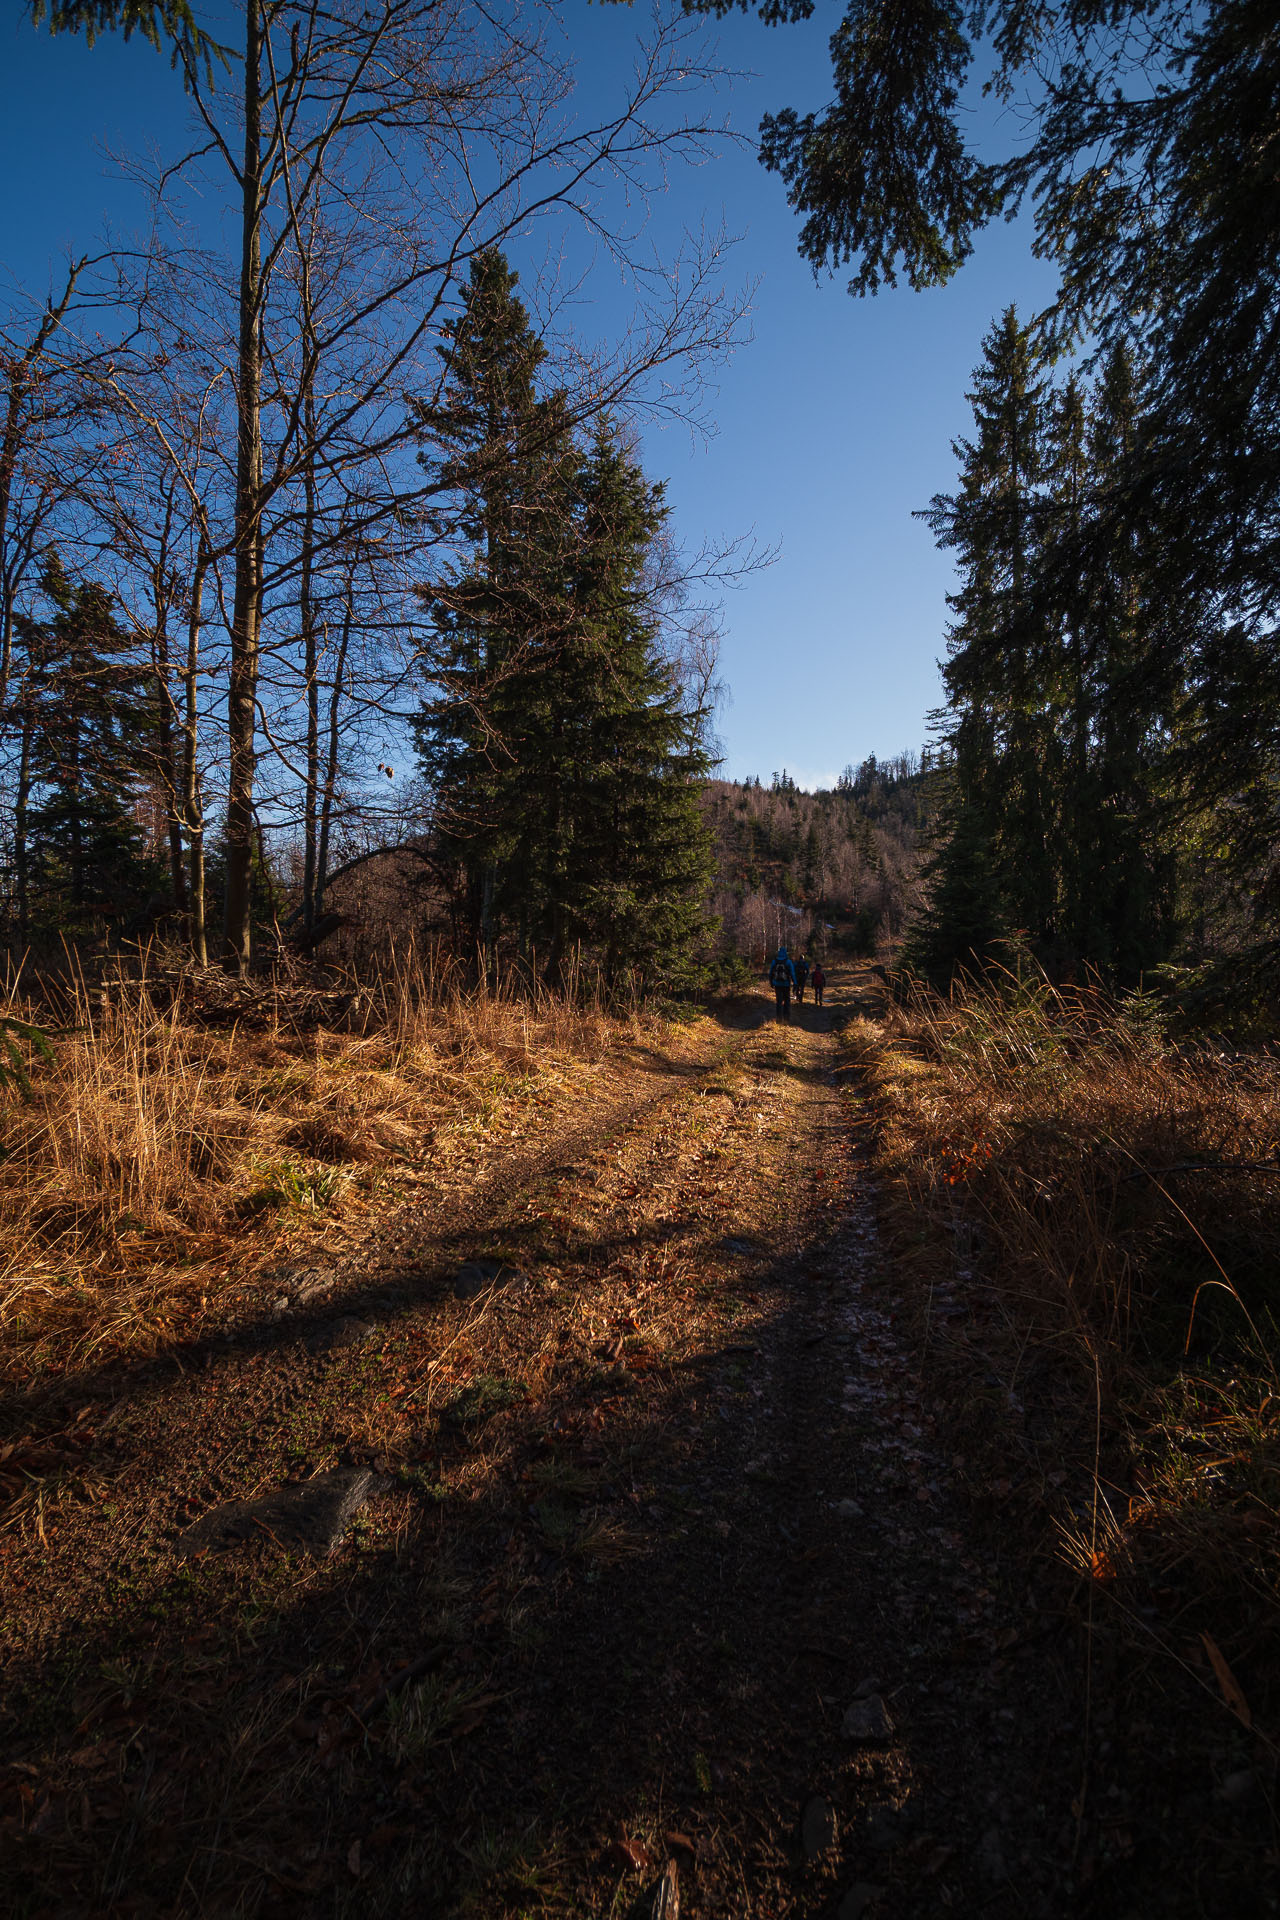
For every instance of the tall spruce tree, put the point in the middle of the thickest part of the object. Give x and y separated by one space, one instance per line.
505 453
633 852
88 722
560 750
1000 646
1060 695
1136 686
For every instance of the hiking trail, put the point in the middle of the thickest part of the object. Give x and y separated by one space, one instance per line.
647 1548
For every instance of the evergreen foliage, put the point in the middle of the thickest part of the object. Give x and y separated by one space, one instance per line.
1060 708
560 750
156 20
613 838
89 728
497 615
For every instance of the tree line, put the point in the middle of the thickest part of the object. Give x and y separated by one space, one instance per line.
1109 777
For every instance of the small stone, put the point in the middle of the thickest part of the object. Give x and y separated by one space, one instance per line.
849 1509
314 1287
476 1277
313 1515
868 1722
1239 1788
737 1243
347 1332
819 1827
861 1895
991 1858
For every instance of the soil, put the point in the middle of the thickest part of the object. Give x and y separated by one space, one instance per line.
640 1563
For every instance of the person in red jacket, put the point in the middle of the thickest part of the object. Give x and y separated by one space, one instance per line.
817 980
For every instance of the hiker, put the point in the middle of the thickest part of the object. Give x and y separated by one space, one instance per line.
802 978
819 982
782 977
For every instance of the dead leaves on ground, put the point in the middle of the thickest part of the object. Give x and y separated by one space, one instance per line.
1231 1690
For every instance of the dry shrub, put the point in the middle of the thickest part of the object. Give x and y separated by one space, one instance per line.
156 1158
1118 1197
1113 1174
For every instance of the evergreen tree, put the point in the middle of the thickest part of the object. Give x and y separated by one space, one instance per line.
1135 688
557 742
89 726
963 925
504 451
632 851
1002 654
1058 682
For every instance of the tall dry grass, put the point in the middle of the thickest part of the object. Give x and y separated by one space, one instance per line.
1116 1197
160 1155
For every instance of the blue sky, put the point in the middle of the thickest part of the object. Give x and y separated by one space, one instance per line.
830 426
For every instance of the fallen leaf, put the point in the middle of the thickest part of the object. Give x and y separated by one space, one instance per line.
1231 1692
630 1855
353 1859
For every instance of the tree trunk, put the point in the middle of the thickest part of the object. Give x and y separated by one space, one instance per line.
331 755
21 862
311 669
168 729
247 604
192 800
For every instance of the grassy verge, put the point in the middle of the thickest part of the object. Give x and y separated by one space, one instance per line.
1089 1217
261 1731
169 1147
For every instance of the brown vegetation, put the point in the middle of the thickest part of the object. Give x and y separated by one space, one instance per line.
174 1140
1102 1207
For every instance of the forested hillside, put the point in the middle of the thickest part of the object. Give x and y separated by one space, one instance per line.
838 870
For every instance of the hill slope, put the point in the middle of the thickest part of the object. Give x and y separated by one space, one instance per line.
838 869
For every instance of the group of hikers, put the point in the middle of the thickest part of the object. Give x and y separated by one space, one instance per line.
786 974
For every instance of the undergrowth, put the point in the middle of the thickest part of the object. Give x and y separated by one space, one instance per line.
149 1159
1114 1199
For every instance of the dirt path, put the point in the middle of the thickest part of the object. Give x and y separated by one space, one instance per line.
662 1558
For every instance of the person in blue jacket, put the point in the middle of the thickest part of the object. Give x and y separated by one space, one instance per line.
782 977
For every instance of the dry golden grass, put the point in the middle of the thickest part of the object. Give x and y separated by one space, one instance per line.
1118 1198
157 1160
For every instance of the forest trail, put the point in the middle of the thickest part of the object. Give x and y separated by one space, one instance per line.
649 1551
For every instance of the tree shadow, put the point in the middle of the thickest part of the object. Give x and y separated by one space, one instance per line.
631 1600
